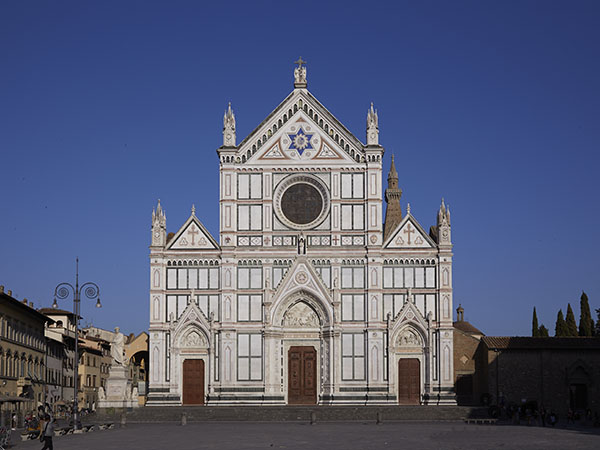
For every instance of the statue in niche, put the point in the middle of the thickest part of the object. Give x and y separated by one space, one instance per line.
299 316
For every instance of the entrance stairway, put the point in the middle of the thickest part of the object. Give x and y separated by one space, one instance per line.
291 413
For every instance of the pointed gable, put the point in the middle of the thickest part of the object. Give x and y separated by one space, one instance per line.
409 234
302 276
302 129
193 235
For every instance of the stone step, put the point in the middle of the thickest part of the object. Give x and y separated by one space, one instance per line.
290 413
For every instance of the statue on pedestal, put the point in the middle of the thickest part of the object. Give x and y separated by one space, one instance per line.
116 349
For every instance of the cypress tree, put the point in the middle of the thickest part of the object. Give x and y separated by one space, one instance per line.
535 329
560 330
570 321
586 323
543 331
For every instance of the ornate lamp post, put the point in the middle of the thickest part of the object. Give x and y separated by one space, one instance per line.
91 291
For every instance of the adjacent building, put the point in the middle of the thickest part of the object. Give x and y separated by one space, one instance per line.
22 355
313 292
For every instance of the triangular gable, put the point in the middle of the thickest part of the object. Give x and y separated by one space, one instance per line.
409 234
300 103
192 317
302 276
193 235
302 140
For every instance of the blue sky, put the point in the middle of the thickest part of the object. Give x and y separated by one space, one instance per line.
495 106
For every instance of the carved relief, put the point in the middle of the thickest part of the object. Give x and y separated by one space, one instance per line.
156 278
300 315
194 339
408 338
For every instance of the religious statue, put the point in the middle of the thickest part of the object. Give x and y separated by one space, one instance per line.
117 348
101 394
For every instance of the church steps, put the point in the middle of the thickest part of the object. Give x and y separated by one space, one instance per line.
293 413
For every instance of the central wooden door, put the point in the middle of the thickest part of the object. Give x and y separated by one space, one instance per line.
193 382
302 376
409 381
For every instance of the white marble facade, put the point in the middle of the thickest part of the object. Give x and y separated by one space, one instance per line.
283 275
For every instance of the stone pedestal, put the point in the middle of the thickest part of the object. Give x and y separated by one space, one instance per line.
118 390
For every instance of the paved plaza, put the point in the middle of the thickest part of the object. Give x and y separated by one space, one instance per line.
399 435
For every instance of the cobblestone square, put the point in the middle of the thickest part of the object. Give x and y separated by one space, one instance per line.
364 436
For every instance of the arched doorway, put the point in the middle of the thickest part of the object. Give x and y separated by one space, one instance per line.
193 382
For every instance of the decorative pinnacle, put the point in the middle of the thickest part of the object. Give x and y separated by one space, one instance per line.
408 208
193 209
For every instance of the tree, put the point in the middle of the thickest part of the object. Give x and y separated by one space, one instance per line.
570 320
535 329
561 327
586 323
598 323
543 331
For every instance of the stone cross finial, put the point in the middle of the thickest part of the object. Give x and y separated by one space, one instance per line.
193 209
300 74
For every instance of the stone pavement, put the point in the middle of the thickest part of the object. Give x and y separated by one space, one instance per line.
364 436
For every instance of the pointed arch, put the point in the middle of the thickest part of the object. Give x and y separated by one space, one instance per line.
323 311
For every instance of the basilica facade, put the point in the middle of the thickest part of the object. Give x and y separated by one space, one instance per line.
308 295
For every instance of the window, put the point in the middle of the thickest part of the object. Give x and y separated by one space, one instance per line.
249 357
249 277
392 304
353 185
353 277
192 278
278 273
209 304
353 356
353 217
249 217
325 273
249 308
249 186
405 277
353 307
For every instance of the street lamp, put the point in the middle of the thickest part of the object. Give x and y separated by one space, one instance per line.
91 291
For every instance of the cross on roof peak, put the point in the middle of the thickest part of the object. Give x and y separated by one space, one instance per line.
300 62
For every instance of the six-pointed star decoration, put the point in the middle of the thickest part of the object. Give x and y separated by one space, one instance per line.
300 141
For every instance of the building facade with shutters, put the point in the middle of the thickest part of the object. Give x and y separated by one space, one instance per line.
307 296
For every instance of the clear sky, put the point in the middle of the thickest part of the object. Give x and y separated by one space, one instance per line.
106 106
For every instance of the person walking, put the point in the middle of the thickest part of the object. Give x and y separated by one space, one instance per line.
48 433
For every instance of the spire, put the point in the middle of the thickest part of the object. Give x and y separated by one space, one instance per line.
372 127
300 74
229 128
159 226
443 224
393 212
443 215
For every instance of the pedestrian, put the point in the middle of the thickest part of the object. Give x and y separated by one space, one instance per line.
47 433
552 419
543 415
14 421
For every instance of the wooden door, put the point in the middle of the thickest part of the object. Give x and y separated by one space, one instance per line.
193 382
409 381
302 376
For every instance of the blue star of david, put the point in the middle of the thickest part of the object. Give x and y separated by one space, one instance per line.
300 141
